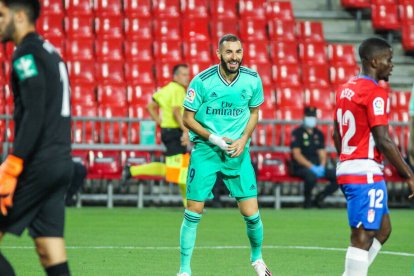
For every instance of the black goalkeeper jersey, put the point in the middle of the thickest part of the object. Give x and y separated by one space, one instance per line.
41 91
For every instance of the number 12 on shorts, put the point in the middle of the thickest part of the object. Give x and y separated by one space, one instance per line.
375 198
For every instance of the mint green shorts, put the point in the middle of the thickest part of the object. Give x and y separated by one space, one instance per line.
206 160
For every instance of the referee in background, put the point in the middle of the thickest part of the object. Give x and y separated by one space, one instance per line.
34 178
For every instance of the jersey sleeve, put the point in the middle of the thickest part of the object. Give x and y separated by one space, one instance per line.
177 100
377 108
30 80
296 139
194 95
156 97
258 96
321 139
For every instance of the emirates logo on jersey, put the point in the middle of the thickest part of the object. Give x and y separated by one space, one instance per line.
347 93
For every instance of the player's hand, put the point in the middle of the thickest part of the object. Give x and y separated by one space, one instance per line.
316 170
218 141
321 169
9 171
410 182
236 147
185 139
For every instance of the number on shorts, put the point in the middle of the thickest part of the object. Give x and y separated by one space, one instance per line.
375 198
192 174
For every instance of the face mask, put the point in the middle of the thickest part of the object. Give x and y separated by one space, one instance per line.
309 122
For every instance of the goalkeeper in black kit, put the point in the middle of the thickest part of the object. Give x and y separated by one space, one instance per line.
35 176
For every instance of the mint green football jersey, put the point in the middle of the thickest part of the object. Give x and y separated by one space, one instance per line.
411 107
220 107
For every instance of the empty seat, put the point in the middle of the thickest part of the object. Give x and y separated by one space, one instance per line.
194 8
282 30
112 129
110 72
167 30
358 4
58 43
163 73
138 29
271 166
81 156
407 33
308 31
195 29
406 12
84 130
264 70
83 94
289 97
223 9
81 71
198 66
315 75
139 72
253 30
77 26
104 164
52 7
256 52
313 53
288 114
166 8
3 56
168 51
222 26
109 27
109 50
287 75
284 52
138 50
138 111
108 7
341 54
140 94
385 16
50 25
137 8
78 7
340 74
280 10
320 97
197 51
81 49
252 9
114 95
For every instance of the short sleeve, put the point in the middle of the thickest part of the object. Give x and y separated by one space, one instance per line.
296 141
377 108
257 97
194 95
157 96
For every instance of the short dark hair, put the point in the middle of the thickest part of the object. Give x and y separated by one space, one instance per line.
31 7
371 47
227 37
177 67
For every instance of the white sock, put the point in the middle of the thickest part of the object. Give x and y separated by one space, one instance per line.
356 262
373 251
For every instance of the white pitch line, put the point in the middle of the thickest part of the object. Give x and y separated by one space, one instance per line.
317 248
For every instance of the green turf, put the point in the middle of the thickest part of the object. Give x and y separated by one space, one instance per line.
110 242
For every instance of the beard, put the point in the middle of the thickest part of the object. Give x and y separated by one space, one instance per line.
229 71
8 32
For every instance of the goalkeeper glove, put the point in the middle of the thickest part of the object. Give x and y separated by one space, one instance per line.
9 171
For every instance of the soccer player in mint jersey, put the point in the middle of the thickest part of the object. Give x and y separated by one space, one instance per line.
221 112
362 139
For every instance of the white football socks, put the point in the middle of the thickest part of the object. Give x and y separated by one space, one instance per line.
356 262
373 251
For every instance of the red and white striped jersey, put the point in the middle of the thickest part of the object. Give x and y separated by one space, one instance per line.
361 104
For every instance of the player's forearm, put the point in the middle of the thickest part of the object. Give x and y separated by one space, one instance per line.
154 114
251 124
300 158
387 147
179 118
337 139
191 124
322 157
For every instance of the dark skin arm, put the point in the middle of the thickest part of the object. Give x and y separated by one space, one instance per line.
337 138
387 147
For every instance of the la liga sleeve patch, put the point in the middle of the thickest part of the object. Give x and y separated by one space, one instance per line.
378 106
191 94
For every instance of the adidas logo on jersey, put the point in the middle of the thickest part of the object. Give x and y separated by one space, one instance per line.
252 187
213 95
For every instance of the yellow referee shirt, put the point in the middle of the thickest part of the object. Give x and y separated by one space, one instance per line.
169 96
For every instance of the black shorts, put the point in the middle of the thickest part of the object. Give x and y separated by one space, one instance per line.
171 138
38 202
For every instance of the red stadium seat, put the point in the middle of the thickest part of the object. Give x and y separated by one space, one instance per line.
9 128
81 71
140 94
81 156
197 51
109 27
83 94
264 70
341 54
406 12
284 52
114 131
400 100
81 49
9 47
167 29
8 95
139 72
168 51
166 8
313 53
78 26
3 56
280 10
319 97
138 29
253 30
222 26
256 52
50 25
163 73
358 4
287 75
52 7
315 75
113 95
408 36
308 31
272 166
109 50
270 96
138 111
104 165
110 72
84 131
78 7
197 67
282 30
252 9
137 8
341 74
225 9
138 50
289 97
194 8
195 29
57 42
385 17
108 7
288 114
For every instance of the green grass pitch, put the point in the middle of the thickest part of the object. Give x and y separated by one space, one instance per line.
129 241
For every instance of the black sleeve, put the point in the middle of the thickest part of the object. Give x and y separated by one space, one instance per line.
296 141
322 139
32 90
